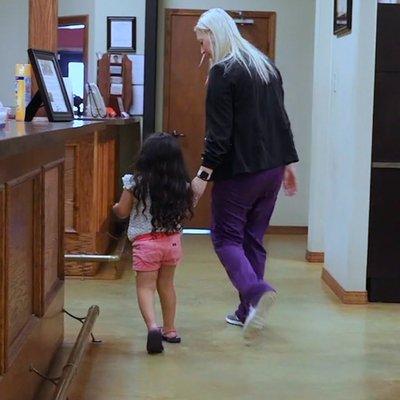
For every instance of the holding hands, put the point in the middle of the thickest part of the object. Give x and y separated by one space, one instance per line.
199 183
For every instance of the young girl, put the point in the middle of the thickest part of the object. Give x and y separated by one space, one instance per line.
158 198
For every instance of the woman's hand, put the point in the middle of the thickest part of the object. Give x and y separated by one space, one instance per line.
198 188
290 180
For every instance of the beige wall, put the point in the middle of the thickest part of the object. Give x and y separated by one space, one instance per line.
294 57
14 17
98 11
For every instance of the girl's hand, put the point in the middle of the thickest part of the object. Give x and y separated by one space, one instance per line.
290 180
123 208
198 188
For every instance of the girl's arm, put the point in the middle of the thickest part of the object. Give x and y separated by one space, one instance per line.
123 208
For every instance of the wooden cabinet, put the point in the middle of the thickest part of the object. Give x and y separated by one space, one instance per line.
93 167
43 166
383 267
89 195
31 260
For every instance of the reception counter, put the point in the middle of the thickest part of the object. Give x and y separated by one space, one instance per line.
36 160
94 164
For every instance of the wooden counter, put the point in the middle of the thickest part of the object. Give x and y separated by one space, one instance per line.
93 168
57 182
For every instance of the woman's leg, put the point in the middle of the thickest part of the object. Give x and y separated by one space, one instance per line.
232 202
146 282
257 224
166 291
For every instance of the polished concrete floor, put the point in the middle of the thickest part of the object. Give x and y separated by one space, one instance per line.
314 347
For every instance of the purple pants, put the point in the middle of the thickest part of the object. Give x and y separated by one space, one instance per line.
241 211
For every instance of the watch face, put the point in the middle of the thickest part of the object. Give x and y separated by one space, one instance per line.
204 175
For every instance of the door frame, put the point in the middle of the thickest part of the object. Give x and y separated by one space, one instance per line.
80 20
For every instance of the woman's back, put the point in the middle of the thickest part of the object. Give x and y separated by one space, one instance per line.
250 113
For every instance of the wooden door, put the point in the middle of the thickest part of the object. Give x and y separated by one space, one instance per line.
185 88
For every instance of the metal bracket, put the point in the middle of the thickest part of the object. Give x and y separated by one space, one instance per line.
82 321
54 381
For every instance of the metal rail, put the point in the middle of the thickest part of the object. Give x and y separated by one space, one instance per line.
92 257
71 367
111 258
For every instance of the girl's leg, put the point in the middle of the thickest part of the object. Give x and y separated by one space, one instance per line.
166 291
146 282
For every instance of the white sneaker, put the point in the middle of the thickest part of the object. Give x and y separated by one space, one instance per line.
233 320
256 321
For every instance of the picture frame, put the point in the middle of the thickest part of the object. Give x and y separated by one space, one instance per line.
342 17
121 34
52 92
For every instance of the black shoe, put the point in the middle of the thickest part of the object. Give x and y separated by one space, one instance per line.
154 342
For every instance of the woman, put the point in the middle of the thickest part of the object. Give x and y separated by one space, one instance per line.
248 153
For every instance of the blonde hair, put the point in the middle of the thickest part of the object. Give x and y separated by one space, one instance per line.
229 46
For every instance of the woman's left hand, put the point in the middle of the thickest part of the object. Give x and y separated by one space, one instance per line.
198 187
290 180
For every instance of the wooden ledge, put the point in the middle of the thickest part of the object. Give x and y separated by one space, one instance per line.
344 296
287 230
315 257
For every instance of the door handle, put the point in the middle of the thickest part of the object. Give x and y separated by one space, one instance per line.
386 165
178 134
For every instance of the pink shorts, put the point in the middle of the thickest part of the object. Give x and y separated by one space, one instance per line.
152 251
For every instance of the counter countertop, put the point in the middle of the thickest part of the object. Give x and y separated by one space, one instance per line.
17 137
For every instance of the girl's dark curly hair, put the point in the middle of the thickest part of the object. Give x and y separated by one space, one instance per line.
160 175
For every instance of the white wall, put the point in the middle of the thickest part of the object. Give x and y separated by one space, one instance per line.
294 57
14 17
348 139
98 11
321 119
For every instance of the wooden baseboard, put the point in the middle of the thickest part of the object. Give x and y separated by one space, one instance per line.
315 257
287 230
344 296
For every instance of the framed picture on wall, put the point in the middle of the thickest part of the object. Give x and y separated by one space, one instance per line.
342 17
121 34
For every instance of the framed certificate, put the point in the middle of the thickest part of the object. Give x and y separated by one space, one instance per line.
342 17
52 92
121 34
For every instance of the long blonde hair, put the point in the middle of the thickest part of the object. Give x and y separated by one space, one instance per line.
230 46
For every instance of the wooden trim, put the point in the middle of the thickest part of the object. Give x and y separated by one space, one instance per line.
315 257
5 277
14 348
346 297
2 281
80 20
52 293
167 64
61 222
47 298
287 230
53 164
75 211
21 179
38 245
